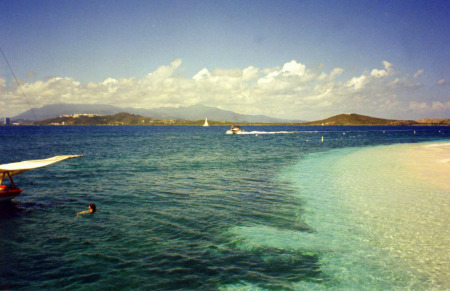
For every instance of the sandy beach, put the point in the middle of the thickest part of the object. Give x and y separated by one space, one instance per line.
402 201
379 216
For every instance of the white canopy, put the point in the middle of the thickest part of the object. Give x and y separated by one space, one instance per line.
20 167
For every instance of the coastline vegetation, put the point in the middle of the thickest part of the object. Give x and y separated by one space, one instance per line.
123 118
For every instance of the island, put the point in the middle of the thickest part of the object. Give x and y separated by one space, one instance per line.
123 118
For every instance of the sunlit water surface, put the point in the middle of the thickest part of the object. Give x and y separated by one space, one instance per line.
193 208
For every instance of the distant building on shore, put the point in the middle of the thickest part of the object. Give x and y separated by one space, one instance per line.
7 121
78 115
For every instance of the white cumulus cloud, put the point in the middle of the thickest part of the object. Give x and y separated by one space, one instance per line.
291 90
418 73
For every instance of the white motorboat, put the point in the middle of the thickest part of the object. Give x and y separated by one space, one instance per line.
235 130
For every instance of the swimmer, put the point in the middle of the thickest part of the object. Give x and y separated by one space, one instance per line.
92 209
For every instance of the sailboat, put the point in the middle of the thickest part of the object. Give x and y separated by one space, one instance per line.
206 122
8 192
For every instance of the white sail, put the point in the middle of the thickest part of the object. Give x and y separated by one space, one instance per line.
206 122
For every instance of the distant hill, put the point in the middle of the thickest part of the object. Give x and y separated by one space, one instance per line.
430 121
357 119
55 110
134 119
115 119
123 119
195 115
195 112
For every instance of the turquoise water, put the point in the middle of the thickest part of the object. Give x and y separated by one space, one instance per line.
193 208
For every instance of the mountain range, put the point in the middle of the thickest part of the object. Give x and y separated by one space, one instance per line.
192 115
195 112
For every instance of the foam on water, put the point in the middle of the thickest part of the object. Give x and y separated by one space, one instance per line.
265 132
380 218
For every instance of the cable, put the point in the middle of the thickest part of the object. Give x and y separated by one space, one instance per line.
18 83
25 97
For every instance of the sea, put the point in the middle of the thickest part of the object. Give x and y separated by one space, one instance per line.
192 208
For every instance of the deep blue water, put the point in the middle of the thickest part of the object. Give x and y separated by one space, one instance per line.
170 200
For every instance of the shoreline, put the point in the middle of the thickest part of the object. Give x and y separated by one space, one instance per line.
401 202
184 123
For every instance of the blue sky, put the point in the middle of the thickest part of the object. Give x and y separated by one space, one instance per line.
287 59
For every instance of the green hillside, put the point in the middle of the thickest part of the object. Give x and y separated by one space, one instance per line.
133 119
116 119
357 119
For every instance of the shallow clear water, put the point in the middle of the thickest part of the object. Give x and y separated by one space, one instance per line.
193 208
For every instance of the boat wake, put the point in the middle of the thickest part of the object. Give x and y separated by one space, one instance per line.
266 132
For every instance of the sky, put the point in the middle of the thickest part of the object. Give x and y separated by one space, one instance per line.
304 60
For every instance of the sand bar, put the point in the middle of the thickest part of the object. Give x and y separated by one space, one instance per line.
401 195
